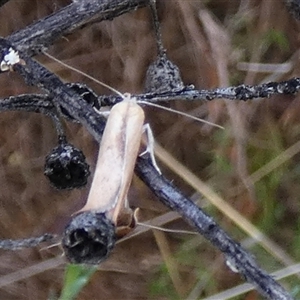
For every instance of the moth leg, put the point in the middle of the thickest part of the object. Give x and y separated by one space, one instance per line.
103 113
150 146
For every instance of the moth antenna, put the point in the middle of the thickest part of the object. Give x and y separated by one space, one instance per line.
84 74
180 113
123 96
166 229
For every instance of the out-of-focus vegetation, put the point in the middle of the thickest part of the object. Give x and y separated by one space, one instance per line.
253 164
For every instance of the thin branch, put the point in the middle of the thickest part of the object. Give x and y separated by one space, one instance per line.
157 30
38 103
240 260
241 93
38 36
26 243
43 103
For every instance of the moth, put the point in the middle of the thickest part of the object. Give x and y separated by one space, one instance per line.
117 155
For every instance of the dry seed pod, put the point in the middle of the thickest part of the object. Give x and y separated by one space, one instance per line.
163 76
88 238
66 167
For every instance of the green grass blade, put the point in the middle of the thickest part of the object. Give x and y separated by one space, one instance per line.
76 277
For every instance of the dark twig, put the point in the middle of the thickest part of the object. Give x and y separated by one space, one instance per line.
38 103
157 30
241 92
26 243
42 103
38 36
236 256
